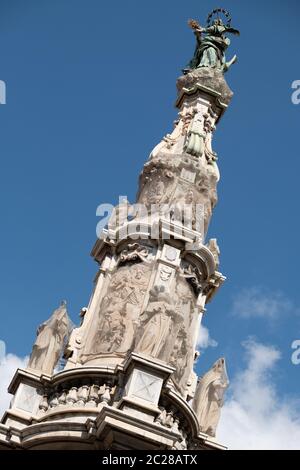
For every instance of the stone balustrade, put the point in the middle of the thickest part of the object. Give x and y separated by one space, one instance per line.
89 395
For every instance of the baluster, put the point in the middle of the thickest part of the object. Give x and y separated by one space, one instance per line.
104 393
72 396
169 420
93 396
161 418
83 395
44 405
62 399
54 400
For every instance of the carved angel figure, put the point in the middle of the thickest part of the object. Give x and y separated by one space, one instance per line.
51 337
208 399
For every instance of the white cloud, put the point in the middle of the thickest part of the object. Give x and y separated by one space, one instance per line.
204 340
8 366
255 416
258 302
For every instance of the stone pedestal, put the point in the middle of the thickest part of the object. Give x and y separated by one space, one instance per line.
133 406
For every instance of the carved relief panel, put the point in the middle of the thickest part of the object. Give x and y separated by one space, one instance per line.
157 183
113 329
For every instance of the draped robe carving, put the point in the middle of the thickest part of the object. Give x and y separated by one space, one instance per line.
208 399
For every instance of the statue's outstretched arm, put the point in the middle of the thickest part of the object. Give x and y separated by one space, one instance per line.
198 36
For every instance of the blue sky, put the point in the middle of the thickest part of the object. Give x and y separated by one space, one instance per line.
90 91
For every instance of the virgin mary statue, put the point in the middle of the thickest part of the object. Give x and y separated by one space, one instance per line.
210 49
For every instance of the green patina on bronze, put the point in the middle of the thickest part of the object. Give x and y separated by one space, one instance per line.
211 43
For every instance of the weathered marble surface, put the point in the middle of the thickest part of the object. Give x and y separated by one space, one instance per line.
130 362
182 169
113 328
144 300
208 77
209 397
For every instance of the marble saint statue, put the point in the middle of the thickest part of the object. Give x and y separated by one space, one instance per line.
51 338
160 322
208 399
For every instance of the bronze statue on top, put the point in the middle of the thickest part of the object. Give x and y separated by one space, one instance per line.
210 49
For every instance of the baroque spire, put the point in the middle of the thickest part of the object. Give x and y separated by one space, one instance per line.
129 380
